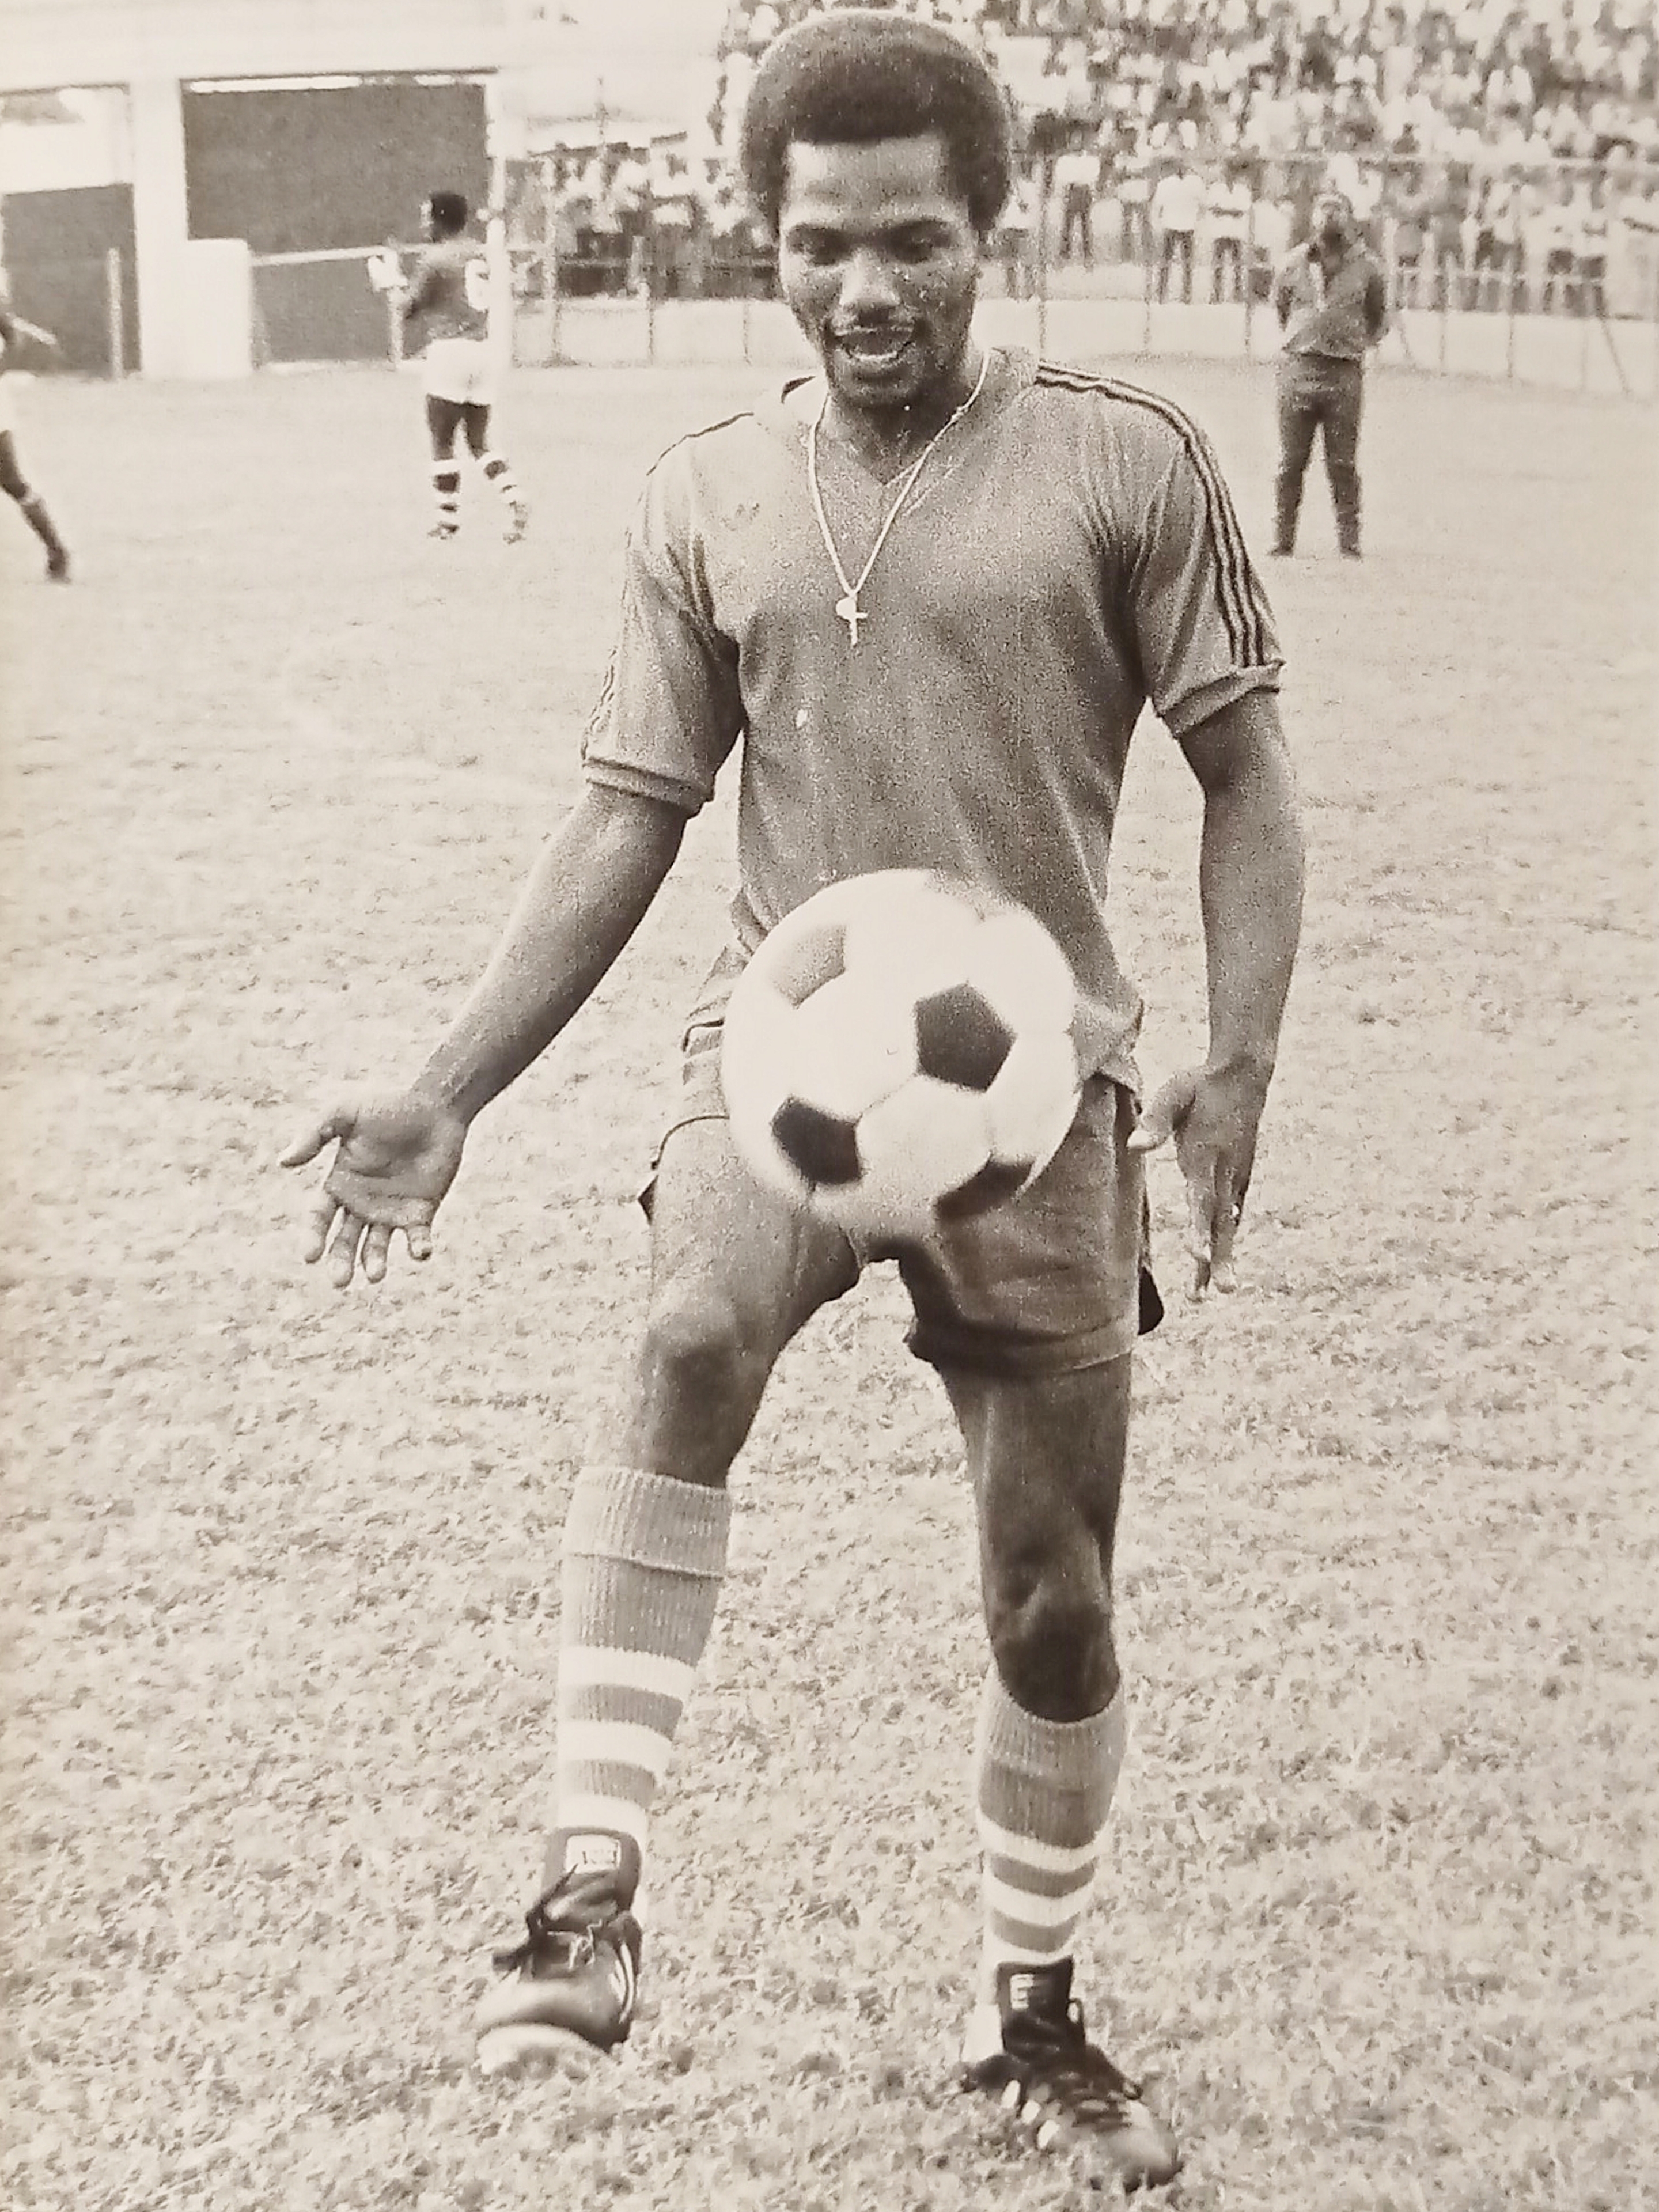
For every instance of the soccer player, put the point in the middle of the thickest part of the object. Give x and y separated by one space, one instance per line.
1332 301
923 594
448 298
13 481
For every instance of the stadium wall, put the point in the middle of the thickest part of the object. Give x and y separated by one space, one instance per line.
158 49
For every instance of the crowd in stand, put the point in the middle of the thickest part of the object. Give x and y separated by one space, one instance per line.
1496 152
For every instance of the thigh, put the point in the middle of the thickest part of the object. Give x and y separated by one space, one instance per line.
713 1226
12 479
1049 1282
1341 420
1298 419
443 420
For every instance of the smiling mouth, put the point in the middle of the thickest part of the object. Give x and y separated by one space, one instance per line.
874 350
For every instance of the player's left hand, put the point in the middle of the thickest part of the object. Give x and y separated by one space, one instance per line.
1214 1114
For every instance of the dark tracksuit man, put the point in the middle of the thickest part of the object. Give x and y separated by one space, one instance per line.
1331 298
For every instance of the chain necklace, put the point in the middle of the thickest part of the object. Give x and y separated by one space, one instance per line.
847 606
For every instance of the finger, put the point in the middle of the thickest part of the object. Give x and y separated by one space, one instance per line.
306 1147
419 1240
342 1253
1222 1272
376 1244
1200 1226
1164 1113
319 1221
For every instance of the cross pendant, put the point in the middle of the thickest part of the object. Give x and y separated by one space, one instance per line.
851 614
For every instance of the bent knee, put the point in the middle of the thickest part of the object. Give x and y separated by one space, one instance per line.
699 1343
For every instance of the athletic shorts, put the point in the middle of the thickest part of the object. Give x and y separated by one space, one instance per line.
462 370
1050 1282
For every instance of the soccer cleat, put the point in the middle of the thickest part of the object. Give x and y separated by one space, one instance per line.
520 522
1030 2051
58 565
572 1984
443 531
1279 551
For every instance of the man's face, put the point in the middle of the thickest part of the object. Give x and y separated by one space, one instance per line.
879 263
1330 218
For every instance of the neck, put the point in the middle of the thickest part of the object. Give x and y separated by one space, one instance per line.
887 439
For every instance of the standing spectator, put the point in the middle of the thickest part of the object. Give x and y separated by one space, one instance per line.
1559 225
630 197
1175 207
1015 234
1410 237
1227 203
1331 299
1638 220
1134 194
1499 237
1446 240
1077 181
1270 243
1591 252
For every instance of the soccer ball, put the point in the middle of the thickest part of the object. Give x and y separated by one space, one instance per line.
898 1053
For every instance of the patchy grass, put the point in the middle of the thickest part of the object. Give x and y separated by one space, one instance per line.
279 1616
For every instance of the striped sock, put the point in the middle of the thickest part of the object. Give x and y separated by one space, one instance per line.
447 493
644 1556
497 472
1044 1789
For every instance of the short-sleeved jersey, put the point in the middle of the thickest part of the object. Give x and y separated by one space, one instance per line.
1068 553
450 290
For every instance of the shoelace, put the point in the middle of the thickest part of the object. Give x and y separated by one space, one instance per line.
1057 2057
559 1926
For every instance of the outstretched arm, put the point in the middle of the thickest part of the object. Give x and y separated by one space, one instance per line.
14 326
1250 877
398 1153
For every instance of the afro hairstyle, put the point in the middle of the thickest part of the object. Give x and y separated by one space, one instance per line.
857 74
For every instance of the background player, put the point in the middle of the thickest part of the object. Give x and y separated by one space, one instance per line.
1036 553
13 481
447 300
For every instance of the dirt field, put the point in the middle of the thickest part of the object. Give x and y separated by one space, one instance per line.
279 1610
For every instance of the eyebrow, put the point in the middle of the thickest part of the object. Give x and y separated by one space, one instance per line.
811 226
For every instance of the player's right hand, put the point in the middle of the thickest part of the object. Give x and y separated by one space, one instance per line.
397 1155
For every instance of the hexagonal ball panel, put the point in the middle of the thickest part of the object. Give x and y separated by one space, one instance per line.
961 1038
823 1148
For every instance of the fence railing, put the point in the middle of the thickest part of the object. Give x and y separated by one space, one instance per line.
1481 281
